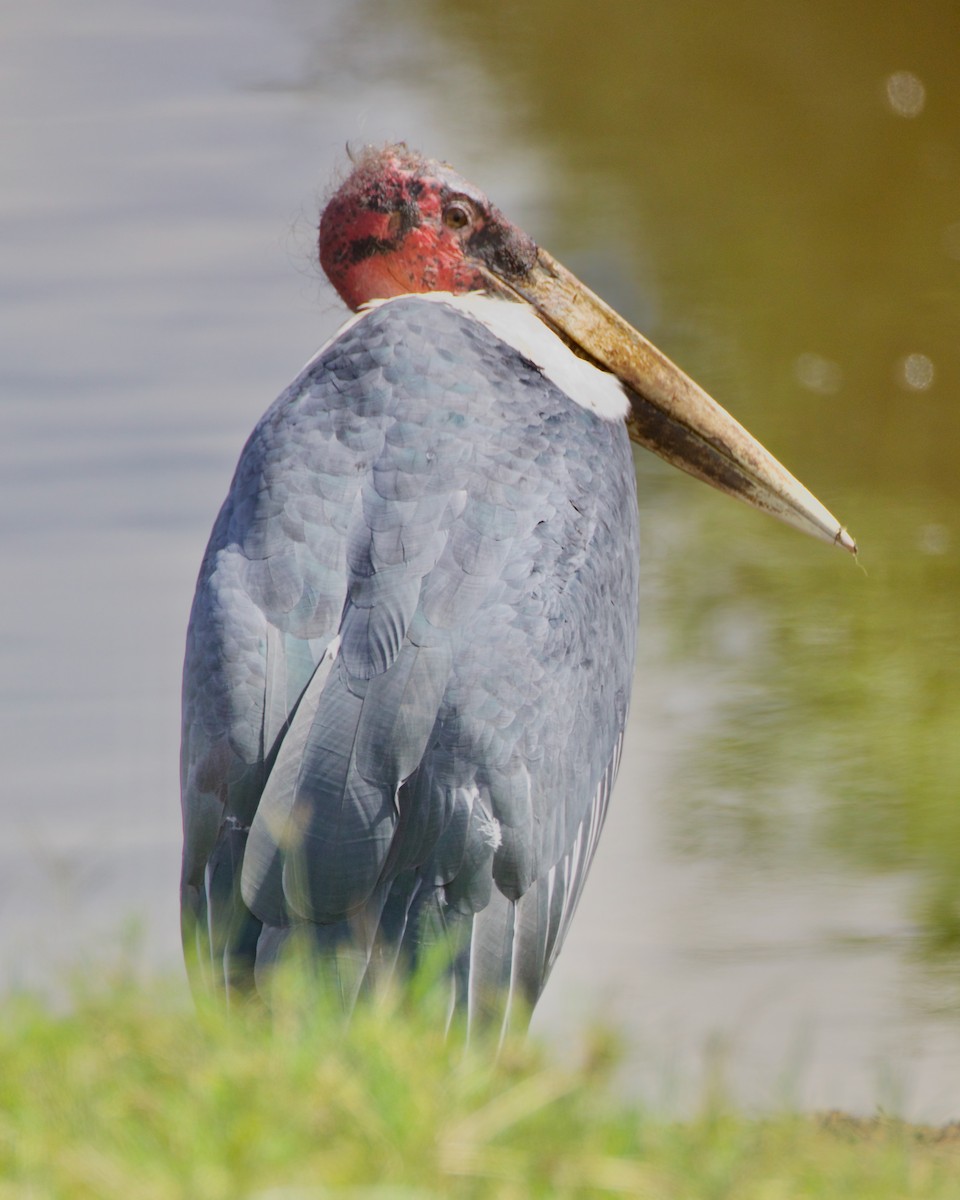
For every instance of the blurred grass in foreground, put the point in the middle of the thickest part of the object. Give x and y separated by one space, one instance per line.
133 1093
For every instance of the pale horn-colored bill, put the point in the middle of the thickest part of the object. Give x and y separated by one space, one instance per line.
670 414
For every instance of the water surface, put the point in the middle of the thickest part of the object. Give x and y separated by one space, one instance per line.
772 192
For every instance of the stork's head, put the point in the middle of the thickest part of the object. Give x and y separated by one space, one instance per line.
401 223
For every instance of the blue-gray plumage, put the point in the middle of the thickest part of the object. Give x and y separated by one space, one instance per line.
424 500
410 652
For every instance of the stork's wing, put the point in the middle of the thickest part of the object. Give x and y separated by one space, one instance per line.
409 657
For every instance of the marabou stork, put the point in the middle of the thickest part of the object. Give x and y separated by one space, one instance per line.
410 652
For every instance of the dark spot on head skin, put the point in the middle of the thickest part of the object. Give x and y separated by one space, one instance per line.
504 249
409 218
381 197
366 247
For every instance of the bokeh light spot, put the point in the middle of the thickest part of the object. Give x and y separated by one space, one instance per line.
906 94
916 372
818 374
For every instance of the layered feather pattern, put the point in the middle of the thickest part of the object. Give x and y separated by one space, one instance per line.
409 660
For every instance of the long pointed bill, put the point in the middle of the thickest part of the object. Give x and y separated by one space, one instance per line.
670 414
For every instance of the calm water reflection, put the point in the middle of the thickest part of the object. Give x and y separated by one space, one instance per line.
776 201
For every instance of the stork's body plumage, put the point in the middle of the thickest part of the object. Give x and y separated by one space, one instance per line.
410 652
413 638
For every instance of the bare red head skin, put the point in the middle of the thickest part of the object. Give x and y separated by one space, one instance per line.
402 223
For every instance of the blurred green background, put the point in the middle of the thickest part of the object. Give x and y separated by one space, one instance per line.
772 193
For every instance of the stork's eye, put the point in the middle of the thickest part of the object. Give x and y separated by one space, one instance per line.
457 215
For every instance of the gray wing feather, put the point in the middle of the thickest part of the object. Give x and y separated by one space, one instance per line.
262 882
